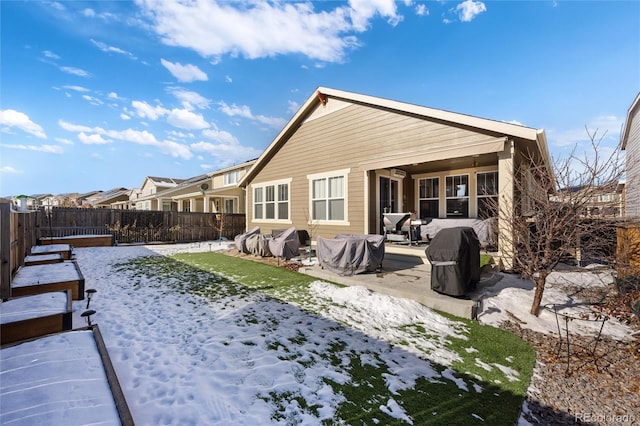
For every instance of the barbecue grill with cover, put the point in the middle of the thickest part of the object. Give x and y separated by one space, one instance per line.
454 254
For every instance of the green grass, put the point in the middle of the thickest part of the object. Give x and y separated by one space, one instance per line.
484 352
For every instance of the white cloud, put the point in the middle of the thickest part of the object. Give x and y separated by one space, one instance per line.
94 139
293 107
20 120
74 127
605 127
49 54
75 71
144 110
220 136
189 99
64 141
228 79
9 169
89 13
76 88
469 9
421 10
185 119
52 149
229 151
92 100
124 116
113 95
111 49
245 111
264 29
184 73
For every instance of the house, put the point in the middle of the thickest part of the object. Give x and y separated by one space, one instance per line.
345 158
107 198
631 146
82 199
214 192
146 198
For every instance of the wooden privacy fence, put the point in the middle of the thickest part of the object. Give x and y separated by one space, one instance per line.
19 231
140 226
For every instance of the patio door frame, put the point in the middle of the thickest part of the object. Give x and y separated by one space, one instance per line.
386 174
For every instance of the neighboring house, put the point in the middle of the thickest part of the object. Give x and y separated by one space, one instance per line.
214 192
345 158
631 146
83 199
110 197
147 198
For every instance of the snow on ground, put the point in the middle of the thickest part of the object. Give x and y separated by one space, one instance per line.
185 360
182 360
512 297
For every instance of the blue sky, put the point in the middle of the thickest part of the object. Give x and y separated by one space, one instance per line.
97 95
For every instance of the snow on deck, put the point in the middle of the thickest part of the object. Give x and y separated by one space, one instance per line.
58 379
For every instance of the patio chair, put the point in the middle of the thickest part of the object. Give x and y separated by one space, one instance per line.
241 239
285 245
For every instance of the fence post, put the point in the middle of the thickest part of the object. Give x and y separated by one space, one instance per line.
5 249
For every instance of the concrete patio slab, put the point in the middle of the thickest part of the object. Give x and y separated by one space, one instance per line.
406 273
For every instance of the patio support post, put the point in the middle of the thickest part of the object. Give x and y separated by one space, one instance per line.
207 201
506 172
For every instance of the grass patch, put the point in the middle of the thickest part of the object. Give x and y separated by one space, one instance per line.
485 385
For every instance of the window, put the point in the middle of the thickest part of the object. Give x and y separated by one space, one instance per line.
271 201
429 197
228 206
231 178
457 193
328 196
487 193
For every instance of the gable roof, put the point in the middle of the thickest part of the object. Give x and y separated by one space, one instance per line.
633 109
322 95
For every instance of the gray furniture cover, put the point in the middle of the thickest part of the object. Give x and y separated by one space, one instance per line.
486 230
454 255
241 239
349 254
258 244
286 245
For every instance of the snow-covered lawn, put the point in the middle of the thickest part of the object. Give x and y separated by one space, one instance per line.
242 356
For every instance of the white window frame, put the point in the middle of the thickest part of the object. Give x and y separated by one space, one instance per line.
455 196
344 174
231 178
436 198
480 196
275 184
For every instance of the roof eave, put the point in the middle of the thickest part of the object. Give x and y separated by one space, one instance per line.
627 125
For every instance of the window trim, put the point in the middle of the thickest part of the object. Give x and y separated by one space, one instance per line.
228 174
437 198
344 173
276 201
467 197
483 196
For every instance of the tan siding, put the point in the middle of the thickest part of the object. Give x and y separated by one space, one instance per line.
342 140
632 184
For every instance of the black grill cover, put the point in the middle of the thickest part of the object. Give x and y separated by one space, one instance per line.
454 254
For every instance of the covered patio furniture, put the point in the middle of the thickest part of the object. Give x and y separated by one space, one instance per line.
349 254
258 245
241 239
285 245
454 254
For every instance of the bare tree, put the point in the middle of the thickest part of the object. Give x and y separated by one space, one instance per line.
553 217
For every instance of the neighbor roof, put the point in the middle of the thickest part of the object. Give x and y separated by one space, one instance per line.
321 95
